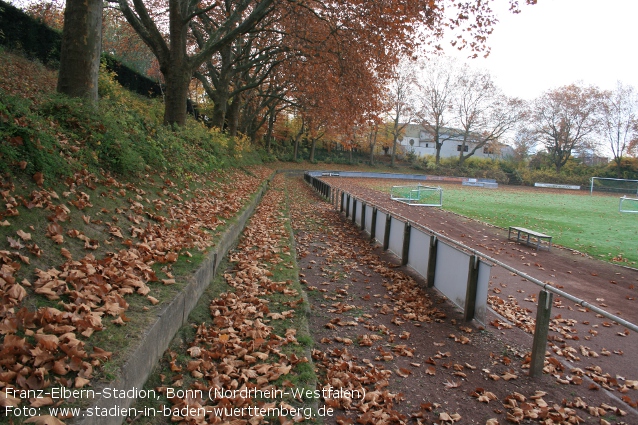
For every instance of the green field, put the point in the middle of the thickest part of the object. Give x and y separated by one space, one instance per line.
590 224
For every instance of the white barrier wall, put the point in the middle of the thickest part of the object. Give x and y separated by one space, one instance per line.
452 264
452 267
480 309
419 251
379 230
397 230
369 219
359 212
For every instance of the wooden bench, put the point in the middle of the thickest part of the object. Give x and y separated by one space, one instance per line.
522 232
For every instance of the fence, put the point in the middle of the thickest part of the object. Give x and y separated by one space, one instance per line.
459 272
459 275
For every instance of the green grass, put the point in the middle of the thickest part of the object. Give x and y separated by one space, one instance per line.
589 224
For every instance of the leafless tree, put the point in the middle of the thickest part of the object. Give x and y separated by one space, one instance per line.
400 102
484 113
619 119
564 119
438 86
524 143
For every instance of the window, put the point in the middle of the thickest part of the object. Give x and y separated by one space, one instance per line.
465 148
487 151
426 145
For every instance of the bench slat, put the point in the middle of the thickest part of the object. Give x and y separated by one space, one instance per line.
529 233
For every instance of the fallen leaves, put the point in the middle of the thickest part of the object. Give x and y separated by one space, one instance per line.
89 289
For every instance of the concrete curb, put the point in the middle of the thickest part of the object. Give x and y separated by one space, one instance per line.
157 337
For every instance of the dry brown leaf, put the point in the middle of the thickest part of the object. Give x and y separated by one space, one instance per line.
38 178
44 420
81 382
7 400
451 384
24 236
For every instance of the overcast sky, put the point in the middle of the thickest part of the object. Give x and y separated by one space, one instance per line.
559 42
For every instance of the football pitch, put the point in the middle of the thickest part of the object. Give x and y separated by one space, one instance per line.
578 220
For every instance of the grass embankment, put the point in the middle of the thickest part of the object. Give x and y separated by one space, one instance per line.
107 214
590 224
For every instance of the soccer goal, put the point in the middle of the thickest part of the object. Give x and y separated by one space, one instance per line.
628 205
605 184
425 196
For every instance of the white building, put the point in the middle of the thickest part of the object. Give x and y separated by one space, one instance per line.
420 141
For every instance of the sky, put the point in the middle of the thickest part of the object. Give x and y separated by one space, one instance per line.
559 42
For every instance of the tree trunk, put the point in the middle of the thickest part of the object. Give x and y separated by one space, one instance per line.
176 67
271 124
296 149
233 116
373 142
81 49
220 103
618 161
312 150
394 150
177 82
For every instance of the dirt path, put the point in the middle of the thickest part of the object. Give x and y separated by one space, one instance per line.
377 330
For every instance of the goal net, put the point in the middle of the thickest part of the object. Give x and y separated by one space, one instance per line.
426 196
605 184
628 205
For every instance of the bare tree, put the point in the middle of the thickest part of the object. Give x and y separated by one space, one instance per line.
399 100
437 90
484 113
564 118
524 143
619 119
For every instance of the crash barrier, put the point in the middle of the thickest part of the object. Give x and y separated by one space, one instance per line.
459 275
376 175
459 272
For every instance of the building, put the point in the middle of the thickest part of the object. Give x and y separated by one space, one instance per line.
418 140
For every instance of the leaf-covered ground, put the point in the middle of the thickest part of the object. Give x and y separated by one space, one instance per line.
249 338
94 255
453 368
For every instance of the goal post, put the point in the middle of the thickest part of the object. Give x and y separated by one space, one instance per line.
426 196
628 205
610 185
